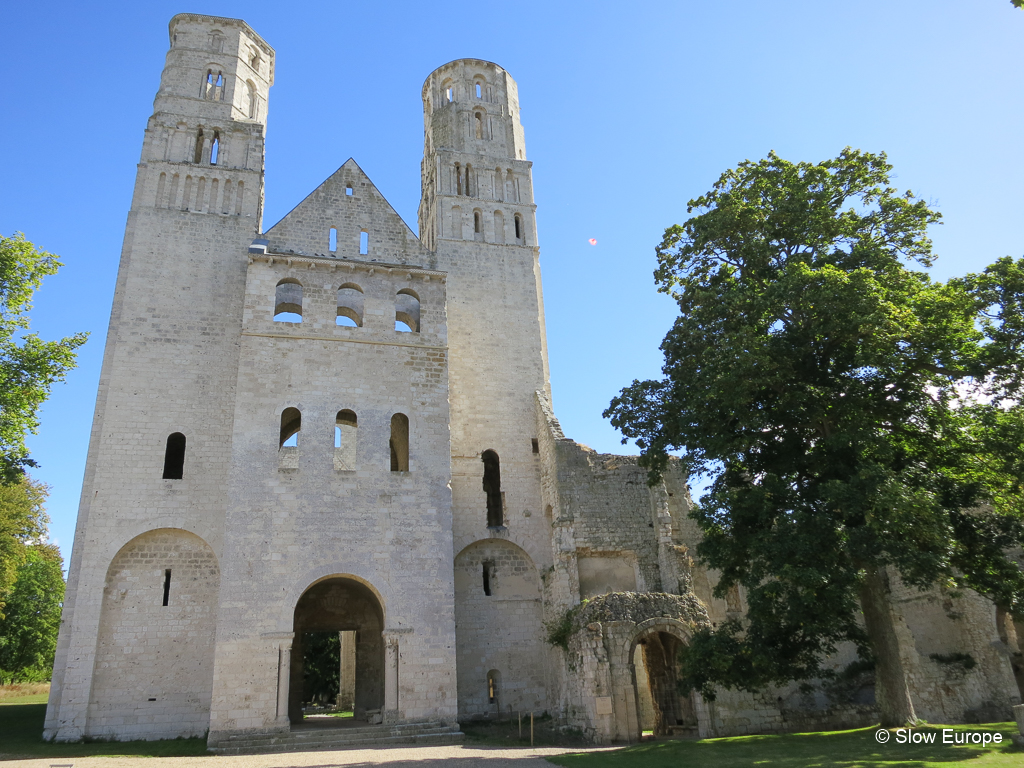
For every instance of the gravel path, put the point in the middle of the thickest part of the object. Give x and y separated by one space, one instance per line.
457 756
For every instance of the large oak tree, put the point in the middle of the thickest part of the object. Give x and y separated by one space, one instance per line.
856 419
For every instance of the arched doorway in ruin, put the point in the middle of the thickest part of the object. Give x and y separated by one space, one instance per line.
337 652
660 709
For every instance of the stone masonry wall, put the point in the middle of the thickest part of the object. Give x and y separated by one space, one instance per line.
154 658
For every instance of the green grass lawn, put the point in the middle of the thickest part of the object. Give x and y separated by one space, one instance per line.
839 749
21 736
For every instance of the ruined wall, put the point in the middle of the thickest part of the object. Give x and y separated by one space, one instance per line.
938 632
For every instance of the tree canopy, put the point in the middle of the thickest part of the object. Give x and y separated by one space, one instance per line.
28 633
29 366
857 420
22 522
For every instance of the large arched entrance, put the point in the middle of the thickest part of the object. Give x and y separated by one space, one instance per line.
338 652
661 709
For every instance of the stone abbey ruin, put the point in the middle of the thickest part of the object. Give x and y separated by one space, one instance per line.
339 426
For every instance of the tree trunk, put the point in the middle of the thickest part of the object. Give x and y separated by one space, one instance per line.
891 690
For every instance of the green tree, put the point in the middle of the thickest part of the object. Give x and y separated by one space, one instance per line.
28 633
855 418
29 366
22 521
321 667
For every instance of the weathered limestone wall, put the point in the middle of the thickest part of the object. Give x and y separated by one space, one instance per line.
154 658
295 519
170 362
348 202
497 585
944 690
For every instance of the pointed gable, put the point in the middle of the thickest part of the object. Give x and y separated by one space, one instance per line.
348 202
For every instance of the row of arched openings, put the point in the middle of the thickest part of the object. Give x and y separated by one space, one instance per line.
346 425
479 226
196 195
503 183
478 89
288 306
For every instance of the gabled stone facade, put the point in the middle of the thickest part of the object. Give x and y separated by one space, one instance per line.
338 426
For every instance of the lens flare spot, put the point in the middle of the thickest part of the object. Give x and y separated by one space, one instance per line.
592 241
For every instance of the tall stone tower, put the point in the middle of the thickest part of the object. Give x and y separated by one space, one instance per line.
477 214
160 450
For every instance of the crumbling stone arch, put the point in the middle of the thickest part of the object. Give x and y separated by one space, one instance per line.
652 654
602 637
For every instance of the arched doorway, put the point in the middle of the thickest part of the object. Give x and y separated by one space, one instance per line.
661 709
338 651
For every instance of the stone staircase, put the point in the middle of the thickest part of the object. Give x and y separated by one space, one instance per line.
305 739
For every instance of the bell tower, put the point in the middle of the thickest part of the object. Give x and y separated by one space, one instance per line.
477 214
160 451
474 148
203 150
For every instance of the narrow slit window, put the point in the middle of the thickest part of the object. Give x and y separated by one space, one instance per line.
535 443
399 443
251 95
499 227
364 243
487 566
167 586
519 228
332 240
197 157
493 688
469 178
478 223
458 179
478 124
215 148
174 457
291 425
492 489
449 94
479 90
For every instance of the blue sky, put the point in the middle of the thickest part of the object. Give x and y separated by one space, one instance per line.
630 110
